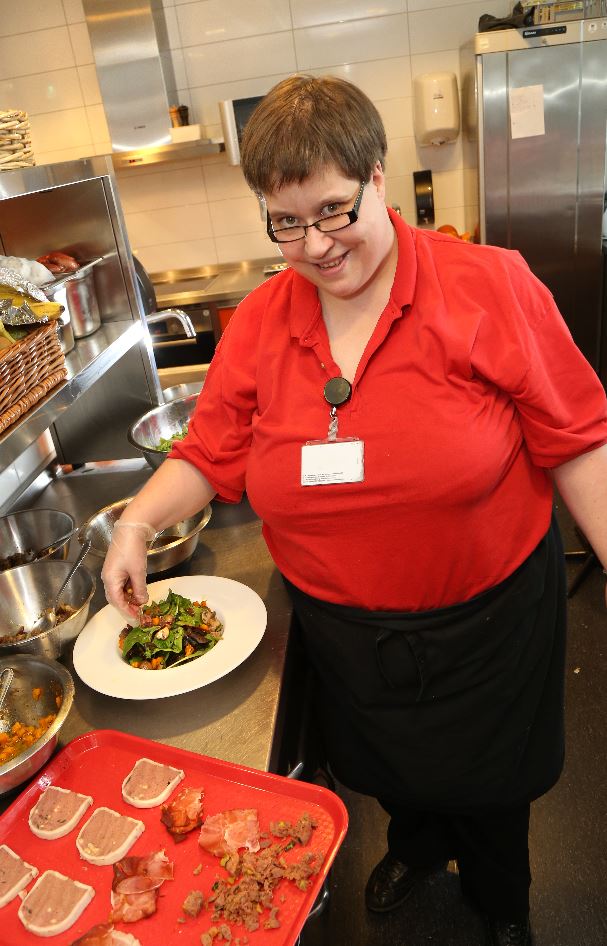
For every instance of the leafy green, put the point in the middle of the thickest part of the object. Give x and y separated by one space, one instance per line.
165 443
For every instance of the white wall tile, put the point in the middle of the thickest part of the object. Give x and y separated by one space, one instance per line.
415 5
206 98
448 189
246 246
317 12
50 49
401 157
54 156
397 116
401 191
141 191
188 255
239 59
173 34
74 11
54 130
26 15
445 61
448 27
225 182
240 215
48 92
354 41
169 225
216 21
381 79
89 84
81 44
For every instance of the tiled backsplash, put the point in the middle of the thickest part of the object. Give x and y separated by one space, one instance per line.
196 212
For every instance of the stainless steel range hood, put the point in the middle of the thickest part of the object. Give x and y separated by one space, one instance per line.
136 78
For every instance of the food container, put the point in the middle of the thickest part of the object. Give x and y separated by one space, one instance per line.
65 332
162 422
24 594
172 547
56 696
76 293
29 530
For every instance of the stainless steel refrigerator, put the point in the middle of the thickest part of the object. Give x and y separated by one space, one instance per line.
542 135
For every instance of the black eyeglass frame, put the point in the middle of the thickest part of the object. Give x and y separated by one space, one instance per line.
352 216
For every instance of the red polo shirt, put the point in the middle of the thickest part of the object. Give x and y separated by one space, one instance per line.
468 391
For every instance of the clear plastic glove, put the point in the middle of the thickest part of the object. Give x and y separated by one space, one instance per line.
124 570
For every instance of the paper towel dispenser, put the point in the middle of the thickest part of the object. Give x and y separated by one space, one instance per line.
435 108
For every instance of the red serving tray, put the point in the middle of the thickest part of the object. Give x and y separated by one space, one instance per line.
96 764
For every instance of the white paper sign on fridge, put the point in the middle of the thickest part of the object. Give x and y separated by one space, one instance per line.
527 111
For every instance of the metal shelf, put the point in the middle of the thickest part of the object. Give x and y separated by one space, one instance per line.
88 361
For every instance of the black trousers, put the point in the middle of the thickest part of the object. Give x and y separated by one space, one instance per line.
490 846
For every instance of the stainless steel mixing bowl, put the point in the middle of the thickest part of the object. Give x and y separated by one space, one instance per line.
174 546
32 529
162 422
177 391
56 696
26 591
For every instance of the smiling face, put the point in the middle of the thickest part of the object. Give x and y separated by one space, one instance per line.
342 263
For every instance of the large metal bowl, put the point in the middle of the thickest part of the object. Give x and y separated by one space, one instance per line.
26 591
184 389
57 696
33 529
162 422
174 546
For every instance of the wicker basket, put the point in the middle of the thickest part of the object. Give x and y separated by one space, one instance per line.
28 371
15 140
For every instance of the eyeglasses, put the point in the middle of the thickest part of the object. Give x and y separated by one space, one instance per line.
325 224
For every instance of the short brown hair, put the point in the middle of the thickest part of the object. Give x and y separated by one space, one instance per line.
306 123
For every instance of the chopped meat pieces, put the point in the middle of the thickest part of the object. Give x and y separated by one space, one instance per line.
193 903
183 813
272 923
301 831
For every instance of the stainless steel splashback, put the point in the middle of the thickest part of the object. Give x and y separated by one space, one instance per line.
134 69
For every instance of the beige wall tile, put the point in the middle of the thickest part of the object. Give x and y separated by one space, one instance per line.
381 79
25 15
169 225
97 123
59 130
50 49
246 246
184 255
216 21
89 84
141 191
240 215
48 92
239 59
81 44
316 12
205 98
448 189
354 41
58 155
74 11
448 27
225 183
397 116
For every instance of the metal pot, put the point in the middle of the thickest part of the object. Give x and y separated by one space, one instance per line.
76 293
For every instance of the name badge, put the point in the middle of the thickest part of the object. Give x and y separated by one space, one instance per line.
332 461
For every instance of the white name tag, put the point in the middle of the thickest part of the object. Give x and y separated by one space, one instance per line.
332 461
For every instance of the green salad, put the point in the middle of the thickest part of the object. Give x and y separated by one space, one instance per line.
172 631
165 443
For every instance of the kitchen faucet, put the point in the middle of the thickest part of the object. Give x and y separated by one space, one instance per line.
179 314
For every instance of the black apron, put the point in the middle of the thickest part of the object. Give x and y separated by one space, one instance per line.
447 709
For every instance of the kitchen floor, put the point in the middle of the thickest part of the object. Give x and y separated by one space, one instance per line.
568 829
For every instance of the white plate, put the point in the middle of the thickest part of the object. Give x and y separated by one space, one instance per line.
98 662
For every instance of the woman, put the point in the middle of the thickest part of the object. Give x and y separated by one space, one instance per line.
397 403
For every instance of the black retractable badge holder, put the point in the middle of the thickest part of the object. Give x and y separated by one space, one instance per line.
337 391
334 460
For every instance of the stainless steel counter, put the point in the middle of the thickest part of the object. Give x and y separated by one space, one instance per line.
238 718
228 282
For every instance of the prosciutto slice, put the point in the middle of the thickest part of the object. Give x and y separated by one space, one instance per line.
135 887
104 934
183 813
227 831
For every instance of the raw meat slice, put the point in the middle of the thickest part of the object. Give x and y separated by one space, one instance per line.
183 813
135 886
150 783
107 836
54 903
15 874
228 831
104 934
57 811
